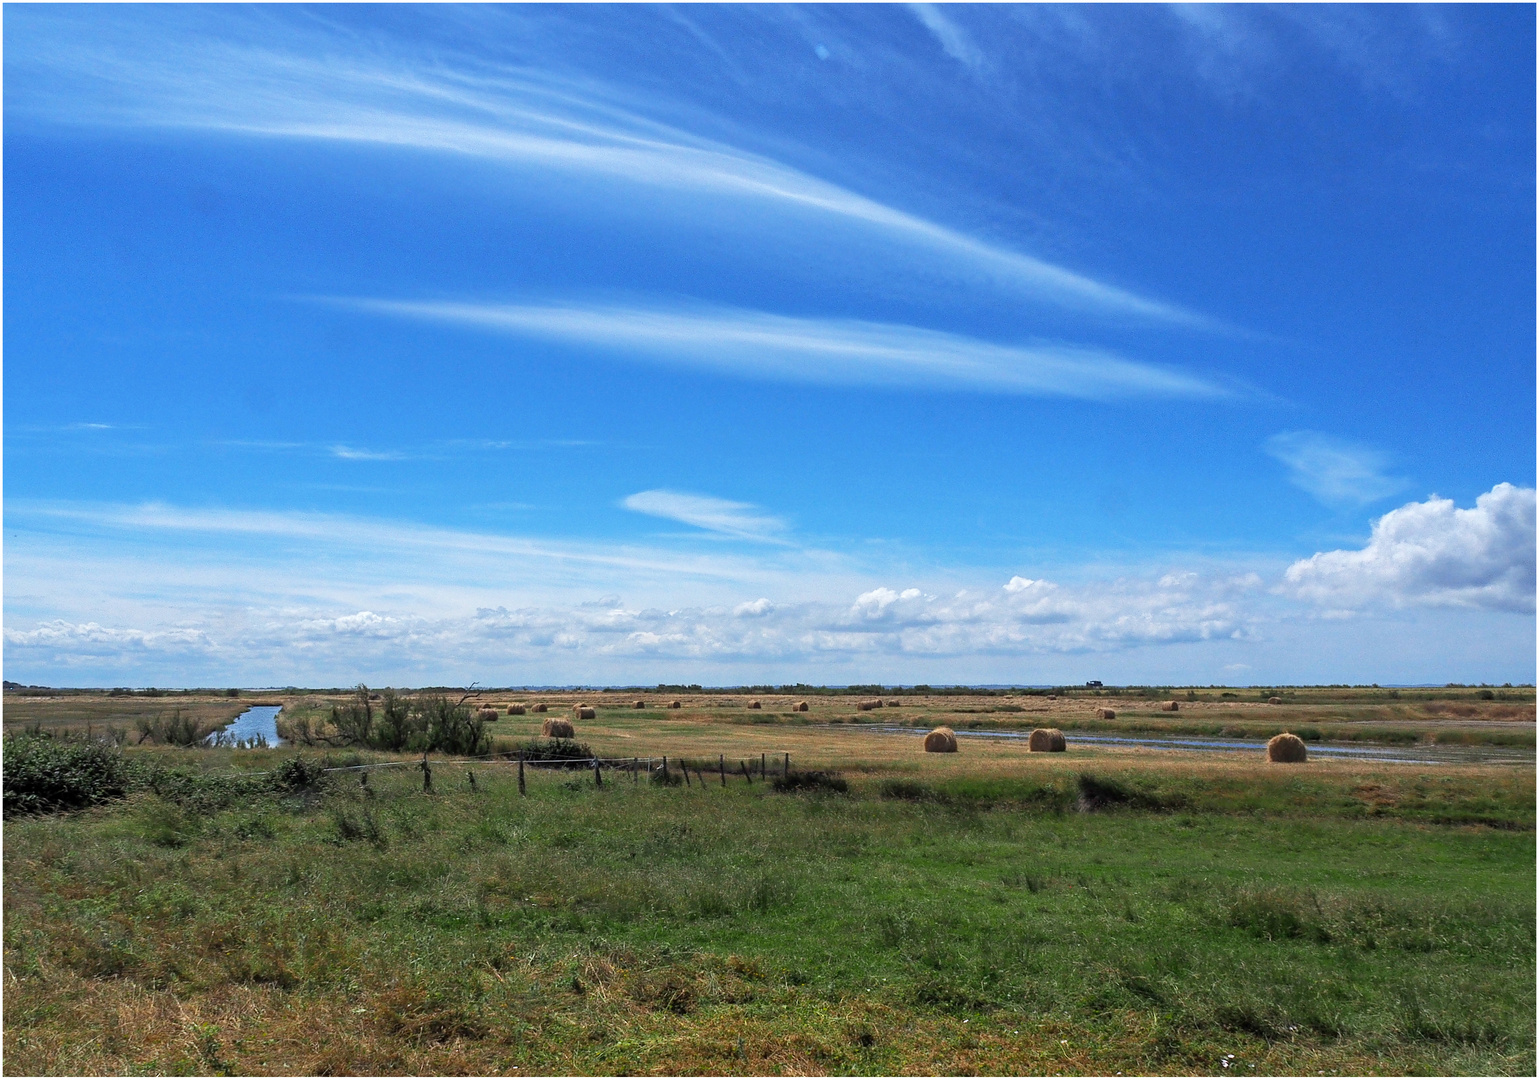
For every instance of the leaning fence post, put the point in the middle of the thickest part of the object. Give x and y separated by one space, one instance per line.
521 789
683 764
746 774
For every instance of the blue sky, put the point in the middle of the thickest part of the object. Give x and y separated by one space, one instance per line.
739 344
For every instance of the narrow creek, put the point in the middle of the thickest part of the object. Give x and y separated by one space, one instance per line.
258 720
1421 753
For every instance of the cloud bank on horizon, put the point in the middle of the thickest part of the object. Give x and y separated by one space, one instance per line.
1425 555
921 343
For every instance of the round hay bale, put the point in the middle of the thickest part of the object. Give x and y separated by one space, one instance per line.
641 704
867 706
894 704
1046 740
541 707
675 704
1286 747
516 710
755 705
587 713
941 741
800 706
1170 706
1274 701
488 716
560 729
1106 714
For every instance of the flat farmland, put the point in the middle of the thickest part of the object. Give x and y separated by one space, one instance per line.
1111 908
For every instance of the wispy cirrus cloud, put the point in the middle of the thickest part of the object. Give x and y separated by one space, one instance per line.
957 42
1333 470
327 89
741 520
822 351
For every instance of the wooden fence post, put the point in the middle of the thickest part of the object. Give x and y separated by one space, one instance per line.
598 779
521 789
746 774
785 770
684 764
665 769
427 773
721 763
469 775
762 760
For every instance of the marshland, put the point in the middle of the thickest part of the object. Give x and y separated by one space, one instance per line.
815 894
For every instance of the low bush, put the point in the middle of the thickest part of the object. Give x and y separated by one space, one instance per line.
43 775
811 780
569 752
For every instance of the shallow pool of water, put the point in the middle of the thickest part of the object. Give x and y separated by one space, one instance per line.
257 720
1421 753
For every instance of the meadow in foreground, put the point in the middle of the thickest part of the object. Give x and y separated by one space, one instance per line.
987 912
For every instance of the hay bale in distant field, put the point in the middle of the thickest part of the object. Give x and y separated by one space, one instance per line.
893 704
1286 747
1274 701
587 713
1046 740
641 704
867 706
941 741
488 716
1170 706
675 704
1106 714
541 707
755 705
517 710
800 706
560 729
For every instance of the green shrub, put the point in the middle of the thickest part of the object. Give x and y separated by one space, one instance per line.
569 752
811 780
44 775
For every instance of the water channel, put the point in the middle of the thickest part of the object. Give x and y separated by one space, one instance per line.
1416 754
258 720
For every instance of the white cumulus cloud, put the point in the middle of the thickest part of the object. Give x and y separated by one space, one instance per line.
1433 553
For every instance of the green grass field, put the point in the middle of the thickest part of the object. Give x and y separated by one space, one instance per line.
950 914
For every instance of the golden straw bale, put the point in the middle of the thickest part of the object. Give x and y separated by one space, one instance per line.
675 704
516 710
867 706
1286 747
541 707
941 741
1170 706
755 705
1046 740
641 704
587 712
1274 701
561 729
800 706
1106 714
894 704
488 716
